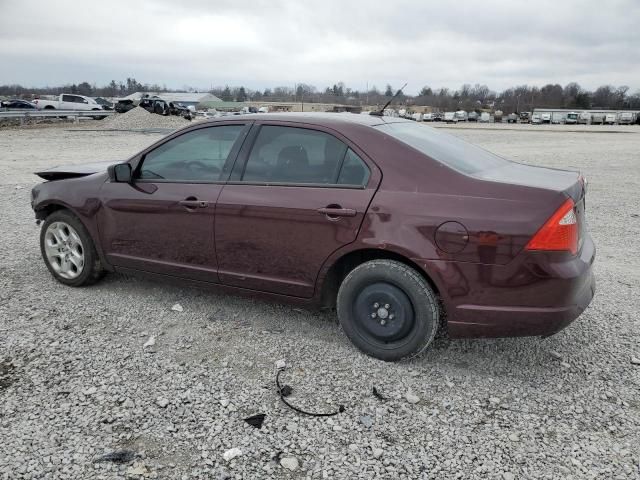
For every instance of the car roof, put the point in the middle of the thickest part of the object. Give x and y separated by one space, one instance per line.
318 118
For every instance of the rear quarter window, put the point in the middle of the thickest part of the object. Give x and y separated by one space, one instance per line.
444 148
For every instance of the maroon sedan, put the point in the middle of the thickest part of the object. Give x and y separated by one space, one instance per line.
401 227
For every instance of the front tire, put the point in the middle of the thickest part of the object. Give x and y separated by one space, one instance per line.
68 250
388 310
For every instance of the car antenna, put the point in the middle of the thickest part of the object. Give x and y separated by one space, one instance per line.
380 113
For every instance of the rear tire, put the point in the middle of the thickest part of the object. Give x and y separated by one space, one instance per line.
68 250
388 310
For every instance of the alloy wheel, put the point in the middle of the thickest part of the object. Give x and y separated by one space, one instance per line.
64 250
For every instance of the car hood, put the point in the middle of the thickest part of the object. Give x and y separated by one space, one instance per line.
74 171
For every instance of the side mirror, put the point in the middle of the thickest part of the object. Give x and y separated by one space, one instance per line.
120 173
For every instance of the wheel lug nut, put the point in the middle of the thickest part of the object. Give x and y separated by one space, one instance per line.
391 317
383 322
373 315
376 305
387 306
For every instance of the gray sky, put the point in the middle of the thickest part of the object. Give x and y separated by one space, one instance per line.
269 43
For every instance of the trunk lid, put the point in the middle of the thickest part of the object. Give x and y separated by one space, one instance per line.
566 181
74 171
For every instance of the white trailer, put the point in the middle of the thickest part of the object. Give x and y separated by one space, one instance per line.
626 118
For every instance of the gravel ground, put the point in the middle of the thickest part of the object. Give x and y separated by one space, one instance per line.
139 118
78 382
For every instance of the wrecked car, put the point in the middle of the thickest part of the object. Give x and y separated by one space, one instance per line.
404 229
123 106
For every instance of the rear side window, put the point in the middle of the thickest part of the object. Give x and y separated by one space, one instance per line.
354 171
196 156
294 155
444 148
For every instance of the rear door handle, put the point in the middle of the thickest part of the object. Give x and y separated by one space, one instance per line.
192 203
337 212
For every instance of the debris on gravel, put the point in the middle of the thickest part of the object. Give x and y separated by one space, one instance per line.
231 454
119 456
256 421
412 397
150 342
290 463
177 308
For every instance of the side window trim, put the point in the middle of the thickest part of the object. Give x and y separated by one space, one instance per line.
240 164
339 169
224 175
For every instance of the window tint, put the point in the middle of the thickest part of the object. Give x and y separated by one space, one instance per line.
444 148
294 155
196 156
67 98
354 171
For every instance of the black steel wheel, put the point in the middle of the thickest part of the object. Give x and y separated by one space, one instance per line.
388 310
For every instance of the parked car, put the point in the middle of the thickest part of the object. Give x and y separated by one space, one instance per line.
625 118
461 116
427 117
512 118
584 118
497 116
17 104
610 119
70 102
597 119
545 118
124 105
524 117
450 117
104 103
571 118
416 117
485 117
316 209
472 117
557 118
180 110
536 119
438 117
155 105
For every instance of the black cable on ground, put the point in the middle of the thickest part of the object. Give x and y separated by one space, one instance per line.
286 390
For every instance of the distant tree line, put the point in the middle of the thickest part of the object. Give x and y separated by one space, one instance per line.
477 97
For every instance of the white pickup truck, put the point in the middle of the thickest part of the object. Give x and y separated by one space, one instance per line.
67 101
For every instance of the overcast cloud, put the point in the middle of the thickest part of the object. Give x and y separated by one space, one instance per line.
269 43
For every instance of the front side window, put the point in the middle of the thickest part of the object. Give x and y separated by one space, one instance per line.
68 98
294 155
196 156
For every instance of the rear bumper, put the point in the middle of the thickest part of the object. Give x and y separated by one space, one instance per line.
537 294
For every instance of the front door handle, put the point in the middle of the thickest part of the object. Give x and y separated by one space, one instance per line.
193 203
337 211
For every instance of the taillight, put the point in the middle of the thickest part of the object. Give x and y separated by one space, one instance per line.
561 231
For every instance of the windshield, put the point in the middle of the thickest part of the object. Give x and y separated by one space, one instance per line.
444 148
